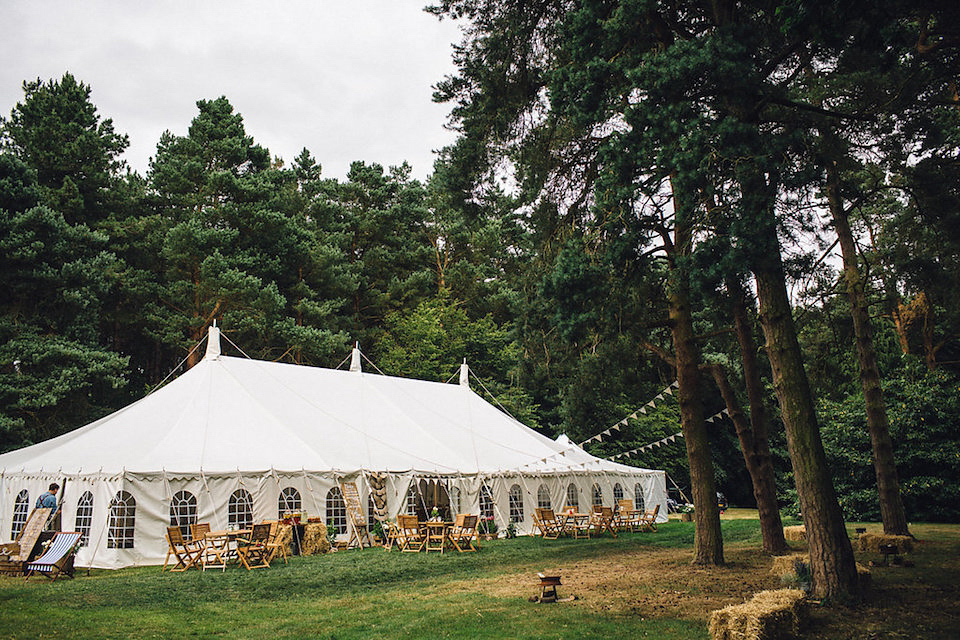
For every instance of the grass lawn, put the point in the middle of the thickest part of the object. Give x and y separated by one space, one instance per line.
636 586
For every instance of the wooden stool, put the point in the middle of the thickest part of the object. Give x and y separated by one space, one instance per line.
548 586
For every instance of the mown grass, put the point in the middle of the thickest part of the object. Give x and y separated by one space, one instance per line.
371 594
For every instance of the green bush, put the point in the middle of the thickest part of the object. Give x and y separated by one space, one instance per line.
923 409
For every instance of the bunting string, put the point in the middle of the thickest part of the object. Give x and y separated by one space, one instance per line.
669 439
633 416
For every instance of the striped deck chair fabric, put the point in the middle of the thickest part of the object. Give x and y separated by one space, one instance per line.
54 562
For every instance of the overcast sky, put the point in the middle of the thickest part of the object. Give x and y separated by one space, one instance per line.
348 79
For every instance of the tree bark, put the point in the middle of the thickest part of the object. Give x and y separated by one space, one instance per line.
831 555
708 544
753 436
892 511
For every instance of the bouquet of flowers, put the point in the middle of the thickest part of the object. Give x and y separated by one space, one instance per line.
487 525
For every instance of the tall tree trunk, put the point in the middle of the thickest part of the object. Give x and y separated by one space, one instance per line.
888 486
831 555
708 545
753 436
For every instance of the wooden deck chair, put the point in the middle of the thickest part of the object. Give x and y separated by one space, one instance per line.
58 559
409 534
548 524
359 529
253 551
648 521
187 553
601 519
463 534
16 554
278 544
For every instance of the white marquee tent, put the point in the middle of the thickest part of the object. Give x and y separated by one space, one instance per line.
236 440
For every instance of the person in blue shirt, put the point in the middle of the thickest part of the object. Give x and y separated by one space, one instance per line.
49 499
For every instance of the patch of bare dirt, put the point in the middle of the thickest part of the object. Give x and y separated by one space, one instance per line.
648 583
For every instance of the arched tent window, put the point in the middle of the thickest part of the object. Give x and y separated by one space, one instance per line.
21 508
516 503
543 497
412 500
573 497
289 500
454 500
336 510
240 509
486 502
84 517
120 524
597 496
617 495
183 511
638 502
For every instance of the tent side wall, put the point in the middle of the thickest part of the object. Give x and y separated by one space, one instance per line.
125 516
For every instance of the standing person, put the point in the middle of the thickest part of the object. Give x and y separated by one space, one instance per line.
49 500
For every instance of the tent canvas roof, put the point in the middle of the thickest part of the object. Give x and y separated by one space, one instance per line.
230 414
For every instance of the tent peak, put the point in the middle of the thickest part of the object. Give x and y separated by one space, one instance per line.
355 359
465 374
213 342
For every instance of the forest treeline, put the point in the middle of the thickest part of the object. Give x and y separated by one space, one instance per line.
686 175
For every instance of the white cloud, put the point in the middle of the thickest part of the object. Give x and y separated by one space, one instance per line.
349 80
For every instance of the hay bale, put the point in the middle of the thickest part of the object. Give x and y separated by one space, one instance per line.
314 540
796 532
871 542
769 615
787 565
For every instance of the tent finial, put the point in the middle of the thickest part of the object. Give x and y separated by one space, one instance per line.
465 374
355 359
213 342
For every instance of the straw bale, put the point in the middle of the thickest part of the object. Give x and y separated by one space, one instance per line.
787 565
769 615
314 540
872 541
796 532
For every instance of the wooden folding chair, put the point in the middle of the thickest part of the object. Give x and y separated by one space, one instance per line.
216 548
58 559
278 543
409 535
253 551
627 517
602 520
186 552
546 521
463 534
648 521
392 532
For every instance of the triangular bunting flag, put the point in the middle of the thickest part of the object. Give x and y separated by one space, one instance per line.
651 404
676 384
643 411
710 419
668 391
725 412
659 396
